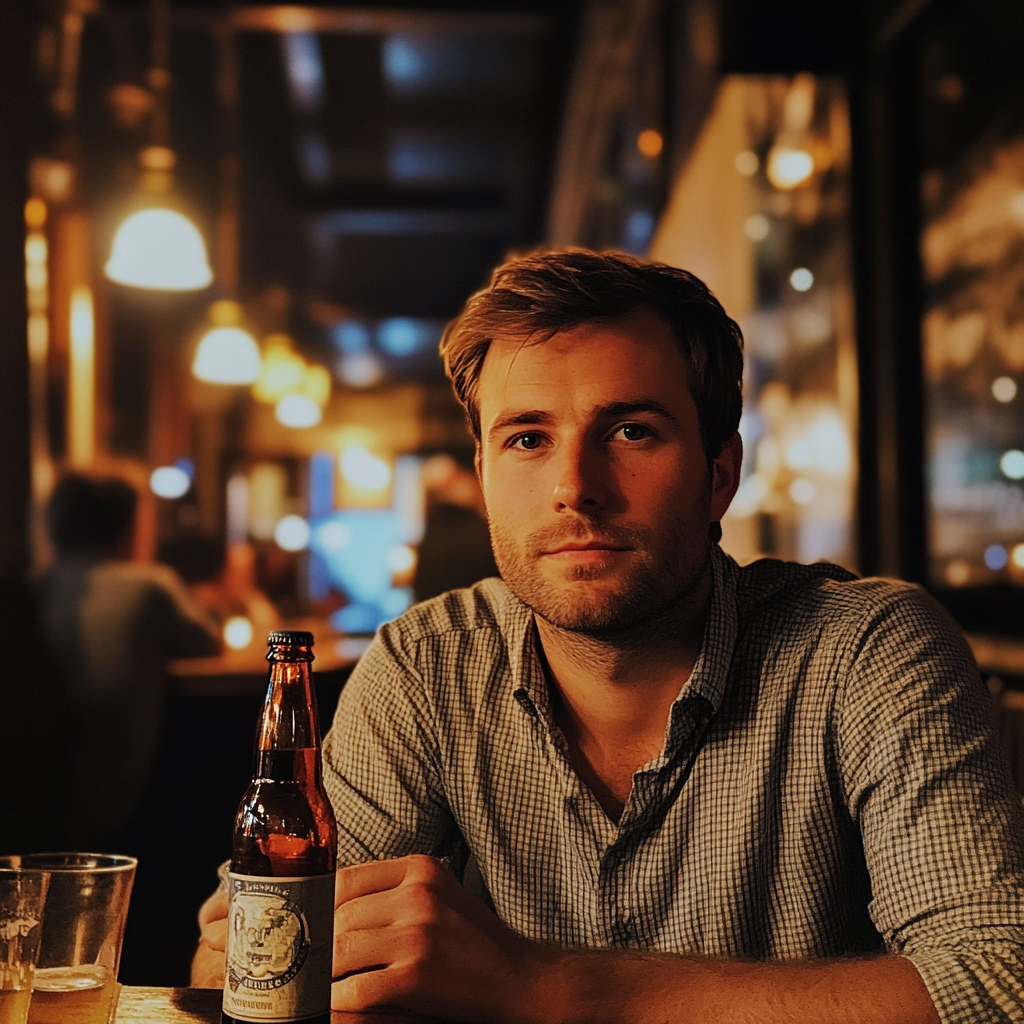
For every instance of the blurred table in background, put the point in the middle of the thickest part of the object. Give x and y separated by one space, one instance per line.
245 671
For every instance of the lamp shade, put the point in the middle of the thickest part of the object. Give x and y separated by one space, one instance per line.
159 248
227 355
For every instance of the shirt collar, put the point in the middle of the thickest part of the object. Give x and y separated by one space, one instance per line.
707 682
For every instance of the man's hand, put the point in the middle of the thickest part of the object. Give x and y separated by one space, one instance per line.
208 962
406 934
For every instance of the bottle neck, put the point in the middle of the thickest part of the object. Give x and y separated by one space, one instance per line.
289 712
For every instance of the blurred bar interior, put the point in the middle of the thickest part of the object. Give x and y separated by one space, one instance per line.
231 235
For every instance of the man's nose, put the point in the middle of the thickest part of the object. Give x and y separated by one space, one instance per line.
581 481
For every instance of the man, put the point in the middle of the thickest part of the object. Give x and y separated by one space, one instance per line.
693 792
111 624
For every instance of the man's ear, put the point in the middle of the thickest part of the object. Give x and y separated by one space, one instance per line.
478 464
725 476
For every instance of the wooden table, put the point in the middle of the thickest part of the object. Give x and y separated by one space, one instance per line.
202 1006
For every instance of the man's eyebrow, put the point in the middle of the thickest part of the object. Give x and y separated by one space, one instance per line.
640 405
540 418
525 417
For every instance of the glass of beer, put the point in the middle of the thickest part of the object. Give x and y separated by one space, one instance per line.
22 897
83 926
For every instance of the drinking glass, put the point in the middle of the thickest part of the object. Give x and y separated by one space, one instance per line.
85 913
22 897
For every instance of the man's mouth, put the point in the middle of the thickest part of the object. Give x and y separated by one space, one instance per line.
580 548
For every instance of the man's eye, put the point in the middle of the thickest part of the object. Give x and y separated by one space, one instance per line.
634 432
527 442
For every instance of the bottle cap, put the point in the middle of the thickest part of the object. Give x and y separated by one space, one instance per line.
291 637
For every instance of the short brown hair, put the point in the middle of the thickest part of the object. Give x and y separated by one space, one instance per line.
548 292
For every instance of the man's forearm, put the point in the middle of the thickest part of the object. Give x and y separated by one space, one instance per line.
653 988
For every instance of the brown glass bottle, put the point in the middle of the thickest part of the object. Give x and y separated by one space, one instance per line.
281 884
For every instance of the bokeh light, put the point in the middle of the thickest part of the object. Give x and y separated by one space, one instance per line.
227 355
787 168
169 482
238 632
650 143
292 533
297 411
1004 389
401 558
1012 464
161 249
364 470
996 557
801 279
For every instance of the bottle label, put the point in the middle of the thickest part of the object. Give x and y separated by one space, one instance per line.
279 946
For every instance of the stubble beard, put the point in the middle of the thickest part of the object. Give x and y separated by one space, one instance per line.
654 583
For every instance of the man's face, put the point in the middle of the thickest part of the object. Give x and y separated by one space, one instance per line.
598 491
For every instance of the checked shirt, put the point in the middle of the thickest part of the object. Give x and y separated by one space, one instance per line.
828 786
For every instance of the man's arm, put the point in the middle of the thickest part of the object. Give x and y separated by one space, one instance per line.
420 942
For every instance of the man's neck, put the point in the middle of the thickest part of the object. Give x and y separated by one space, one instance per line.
611 694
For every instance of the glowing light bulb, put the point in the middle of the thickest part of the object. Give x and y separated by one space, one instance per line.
227 355
161 249
787 167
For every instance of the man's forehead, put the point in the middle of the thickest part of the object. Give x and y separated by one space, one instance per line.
638 350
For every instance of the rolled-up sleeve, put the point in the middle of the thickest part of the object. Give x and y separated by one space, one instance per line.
942 826
381 766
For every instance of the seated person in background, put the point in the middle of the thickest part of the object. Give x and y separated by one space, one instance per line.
456 547
694 791
111 625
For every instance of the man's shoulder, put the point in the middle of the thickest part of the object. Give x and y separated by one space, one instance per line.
771 586
487 605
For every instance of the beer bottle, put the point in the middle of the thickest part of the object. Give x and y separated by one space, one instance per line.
281 882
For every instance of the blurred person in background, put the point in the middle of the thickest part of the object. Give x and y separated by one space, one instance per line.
222 578
110 624
456 547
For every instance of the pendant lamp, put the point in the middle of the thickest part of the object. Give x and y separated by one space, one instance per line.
227 353
157 246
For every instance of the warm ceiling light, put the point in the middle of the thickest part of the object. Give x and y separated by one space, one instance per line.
159 248
297 411
317 385
787 167
283 370
227 353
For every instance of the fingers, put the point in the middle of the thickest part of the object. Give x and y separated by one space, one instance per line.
208 967
215 935
216 907
379 875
